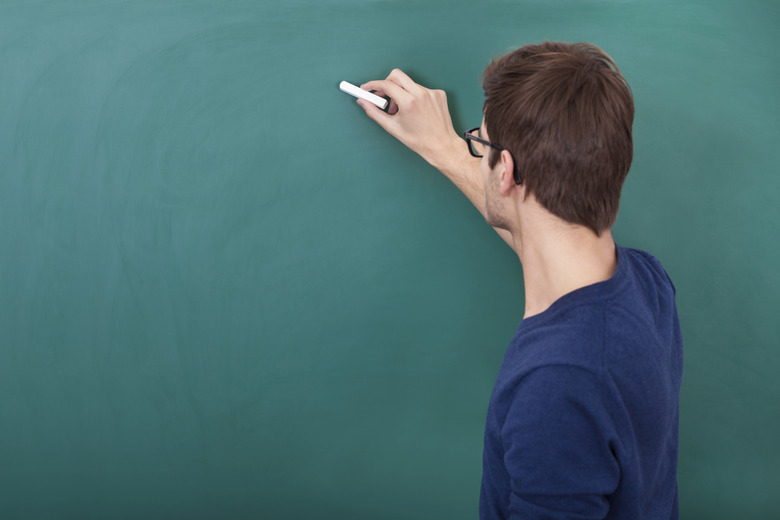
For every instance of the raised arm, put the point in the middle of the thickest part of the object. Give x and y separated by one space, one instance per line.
420 119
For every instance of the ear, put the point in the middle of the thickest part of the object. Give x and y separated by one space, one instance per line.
507 181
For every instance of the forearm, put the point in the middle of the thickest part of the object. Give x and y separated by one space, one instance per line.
463 170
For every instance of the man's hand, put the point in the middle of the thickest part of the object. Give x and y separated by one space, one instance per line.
420 118
417 116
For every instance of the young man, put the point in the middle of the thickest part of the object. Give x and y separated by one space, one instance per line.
583 418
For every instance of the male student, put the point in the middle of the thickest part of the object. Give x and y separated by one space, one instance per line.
583 418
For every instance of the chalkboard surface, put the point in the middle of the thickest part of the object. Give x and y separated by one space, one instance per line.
226 293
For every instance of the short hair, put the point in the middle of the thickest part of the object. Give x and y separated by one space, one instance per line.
564 112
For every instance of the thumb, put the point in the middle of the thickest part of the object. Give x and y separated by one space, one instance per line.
372 111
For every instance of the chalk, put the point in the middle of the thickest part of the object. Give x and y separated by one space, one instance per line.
358 92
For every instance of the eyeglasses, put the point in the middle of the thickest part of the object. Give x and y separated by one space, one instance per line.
477 144
478 147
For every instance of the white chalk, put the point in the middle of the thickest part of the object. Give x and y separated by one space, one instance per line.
358 92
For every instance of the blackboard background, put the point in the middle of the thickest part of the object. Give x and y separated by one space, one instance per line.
224 292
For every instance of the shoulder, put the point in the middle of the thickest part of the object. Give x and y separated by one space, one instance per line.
646 302
570 334
646 267
557 362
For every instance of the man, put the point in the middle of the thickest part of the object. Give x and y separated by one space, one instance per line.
583 418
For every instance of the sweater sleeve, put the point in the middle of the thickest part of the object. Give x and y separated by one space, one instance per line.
558 436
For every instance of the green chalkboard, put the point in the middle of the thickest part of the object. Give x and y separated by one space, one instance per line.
226 293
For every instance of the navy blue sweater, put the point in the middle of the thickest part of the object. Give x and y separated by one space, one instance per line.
583 418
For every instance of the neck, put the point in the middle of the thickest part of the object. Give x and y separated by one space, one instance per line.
560 259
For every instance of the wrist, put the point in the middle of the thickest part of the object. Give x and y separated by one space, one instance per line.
446 157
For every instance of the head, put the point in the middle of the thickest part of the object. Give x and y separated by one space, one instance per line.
563 113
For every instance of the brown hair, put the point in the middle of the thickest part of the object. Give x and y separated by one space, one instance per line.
564 111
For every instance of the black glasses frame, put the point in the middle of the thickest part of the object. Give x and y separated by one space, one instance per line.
471 137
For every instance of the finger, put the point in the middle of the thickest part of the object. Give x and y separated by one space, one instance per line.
394 90
376 114
401 78
392 108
